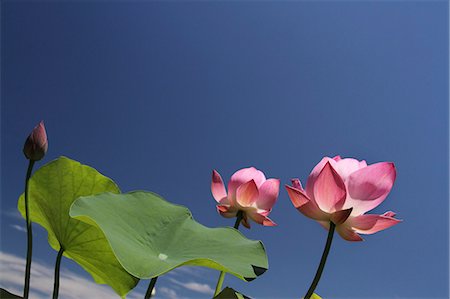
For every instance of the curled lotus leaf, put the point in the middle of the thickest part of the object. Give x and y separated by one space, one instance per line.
52 190
151 236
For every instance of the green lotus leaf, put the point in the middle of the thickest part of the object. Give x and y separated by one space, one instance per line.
151 236
229 293
52 190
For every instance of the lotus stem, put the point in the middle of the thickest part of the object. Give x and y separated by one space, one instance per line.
148 294
57 266
26 289
323 260
239 217
219 284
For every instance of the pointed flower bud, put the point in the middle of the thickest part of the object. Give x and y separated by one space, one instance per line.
36 144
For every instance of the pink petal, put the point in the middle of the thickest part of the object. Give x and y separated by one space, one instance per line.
263 220
315 174
242 176
227 211
340 217
269 222
297 184
343 230
307 207
40 135
329 190
312 211
347 233
264 212
247 194
297 197
218 188
370 224
369 186
245 221
268 194
345 167
389 214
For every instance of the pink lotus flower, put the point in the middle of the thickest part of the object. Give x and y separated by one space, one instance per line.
341 191
36 144
249 192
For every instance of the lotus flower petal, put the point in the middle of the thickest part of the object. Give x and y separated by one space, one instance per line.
226 211
389 214
218 188
370 224
347 233
304 205
341 216
260 219
242 176
268 194
298 197
245 221
297 184
247 194
369 186
329 190
315 174
345 167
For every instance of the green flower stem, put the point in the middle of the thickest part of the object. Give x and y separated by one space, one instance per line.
57 266
219 283
148 294
239 217
26 288
323 260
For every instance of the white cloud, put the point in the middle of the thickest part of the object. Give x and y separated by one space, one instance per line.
72 285
169 293
13 213
195 286
199 287
18 227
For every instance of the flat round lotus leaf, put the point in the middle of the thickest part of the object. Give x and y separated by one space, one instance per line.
151 236
52 190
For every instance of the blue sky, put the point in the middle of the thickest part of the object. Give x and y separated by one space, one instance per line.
157 94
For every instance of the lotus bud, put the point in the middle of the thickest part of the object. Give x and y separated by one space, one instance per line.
36 144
